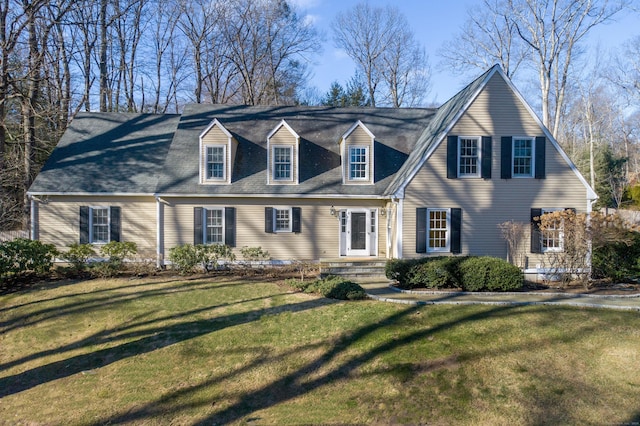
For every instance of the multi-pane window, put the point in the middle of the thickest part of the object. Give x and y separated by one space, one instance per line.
358 162
215 162
282 163
552 237
282 220
469 157
438 230
99 225
214 226
522 156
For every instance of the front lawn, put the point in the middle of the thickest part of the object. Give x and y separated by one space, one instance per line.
223 350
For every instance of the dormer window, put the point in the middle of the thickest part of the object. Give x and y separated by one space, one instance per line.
217 151
356 147
358 163
282 162
282 155
215 162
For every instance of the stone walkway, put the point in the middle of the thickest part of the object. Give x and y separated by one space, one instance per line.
381 290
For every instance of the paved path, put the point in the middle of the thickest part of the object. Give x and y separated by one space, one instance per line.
381 290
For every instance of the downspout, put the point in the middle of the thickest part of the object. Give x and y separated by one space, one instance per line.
399 202
159 231
590 204
33 231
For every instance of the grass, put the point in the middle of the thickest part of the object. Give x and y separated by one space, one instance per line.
171 350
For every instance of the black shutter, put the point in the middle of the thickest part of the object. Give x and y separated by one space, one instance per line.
456 230
505 157
115 227
230 226
296 212
421 230
268 219
540 157
84 225
486 157
198 237
536 236
452 157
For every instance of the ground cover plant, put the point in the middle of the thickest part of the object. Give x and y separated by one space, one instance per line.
220 350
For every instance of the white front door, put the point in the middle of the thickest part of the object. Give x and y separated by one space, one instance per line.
358 232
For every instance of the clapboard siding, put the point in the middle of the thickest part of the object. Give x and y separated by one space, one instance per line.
59 220
358 137
319 236
486 203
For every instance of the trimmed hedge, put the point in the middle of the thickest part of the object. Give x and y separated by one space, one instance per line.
470 273
23 256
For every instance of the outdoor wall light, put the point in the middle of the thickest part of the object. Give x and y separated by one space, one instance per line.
332 211
383 212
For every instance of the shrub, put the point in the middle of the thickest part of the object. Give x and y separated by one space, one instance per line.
78 254
618 260
489 273
186 257
398 269
297 284
253 254
22 256
436 272
336 288
117 251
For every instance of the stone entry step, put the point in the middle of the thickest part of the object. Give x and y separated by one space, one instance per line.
353 268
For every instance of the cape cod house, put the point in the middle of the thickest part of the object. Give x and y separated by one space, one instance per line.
312 182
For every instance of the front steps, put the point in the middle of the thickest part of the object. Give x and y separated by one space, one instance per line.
353 268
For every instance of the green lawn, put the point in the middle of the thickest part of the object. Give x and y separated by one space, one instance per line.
172 350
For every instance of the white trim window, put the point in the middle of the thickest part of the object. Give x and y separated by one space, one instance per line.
438 230
213 226
282 220
469 153
523 155
99 225
215 167
282 162
358 163
552 237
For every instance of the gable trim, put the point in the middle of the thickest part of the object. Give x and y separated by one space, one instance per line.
400 191
353 127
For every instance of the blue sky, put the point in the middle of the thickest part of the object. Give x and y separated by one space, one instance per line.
433 22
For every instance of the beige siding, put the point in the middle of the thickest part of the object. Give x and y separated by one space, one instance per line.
319 237
358 137
216 136
486 203
283 137
59 220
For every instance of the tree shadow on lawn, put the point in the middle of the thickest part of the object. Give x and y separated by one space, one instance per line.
305 379
154 338
113 296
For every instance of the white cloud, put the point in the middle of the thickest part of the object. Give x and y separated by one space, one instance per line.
304 4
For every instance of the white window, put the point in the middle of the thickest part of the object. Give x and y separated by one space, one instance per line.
282 220
469 156
552 237
282 162
358 163
523 155
438 230
215 163
214 226
99 225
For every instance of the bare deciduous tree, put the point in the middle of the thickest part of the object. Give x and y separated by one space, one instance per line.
390 59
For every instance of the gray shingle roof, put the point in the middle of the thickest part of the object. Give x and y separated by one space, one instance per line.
319 128
108 153
146 154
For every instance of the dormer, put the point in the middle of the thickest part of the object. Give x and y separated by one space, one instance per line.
217 153
356 150
282 155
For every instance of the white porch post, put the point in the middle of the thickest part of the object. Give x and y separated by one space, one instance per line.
159 232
